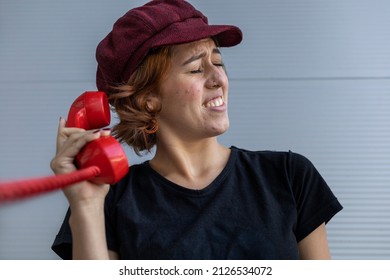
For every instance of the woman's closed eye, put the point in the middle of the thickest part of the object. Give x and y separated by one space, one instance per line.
200 69
219 64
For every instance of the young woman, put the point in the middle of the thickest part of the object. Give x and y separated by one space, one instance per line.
195 199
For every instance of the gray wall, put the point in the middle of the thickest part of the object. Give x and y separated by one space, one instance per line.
310 76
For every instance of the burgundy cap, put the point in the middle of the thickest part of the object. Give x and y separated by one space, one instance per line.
157 23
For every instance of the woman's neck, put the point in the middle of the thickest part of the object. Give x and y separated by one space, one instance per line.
191 165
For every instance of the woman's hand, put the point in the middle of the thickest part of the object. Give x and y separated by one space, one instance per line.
70 141
86 199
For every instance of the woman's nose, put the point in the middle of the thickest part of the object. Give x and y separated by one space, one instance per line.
215 79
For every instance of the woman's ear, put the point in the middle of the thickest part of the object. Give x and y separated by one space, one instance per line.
149 105
153 104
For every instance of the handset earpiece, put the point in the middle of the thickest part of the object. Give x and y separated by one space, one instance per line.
89 111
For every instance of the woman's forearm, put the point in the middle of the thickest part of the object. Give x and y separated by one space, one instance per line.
88 231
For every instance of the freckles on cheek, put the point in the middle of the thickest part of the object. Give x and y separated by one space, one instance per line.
187 95
192 92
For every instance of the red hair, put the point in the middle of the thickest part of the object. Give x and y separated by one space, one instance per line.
138 102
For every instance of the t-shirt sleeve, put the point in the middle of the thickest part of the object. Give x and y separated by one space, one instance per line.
316 203
62 244
110 221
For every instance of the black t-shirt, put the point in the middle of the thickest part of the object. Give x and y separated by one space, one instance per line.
259 207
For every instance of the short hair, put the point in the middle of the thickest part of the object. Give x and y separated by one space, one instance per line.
138 101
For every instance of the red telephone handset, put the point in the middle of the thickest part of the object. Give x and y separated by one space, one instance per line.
91 111
100 161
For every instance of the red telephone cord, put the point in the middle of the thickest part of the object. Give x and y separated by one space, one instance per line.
30 187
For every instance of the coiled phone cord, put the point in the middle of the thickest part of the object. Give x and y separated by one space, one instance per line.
19 189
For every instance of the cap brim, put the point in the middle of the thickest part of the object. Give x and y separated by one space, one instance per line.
226 35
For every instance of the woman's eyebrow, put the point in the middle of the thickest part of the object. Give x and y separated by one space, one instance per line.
199 56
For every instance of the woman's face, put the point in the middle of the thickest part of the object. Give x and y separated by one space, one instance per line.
194 93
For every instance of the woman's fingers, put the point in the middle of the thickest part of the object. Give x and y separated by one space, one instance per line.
64 132
69 143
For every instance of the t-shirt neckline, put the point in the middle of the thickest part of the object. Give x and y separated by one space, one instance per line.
213 186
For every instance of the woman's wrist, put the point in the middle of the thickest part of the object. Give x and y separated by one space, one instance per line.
86 208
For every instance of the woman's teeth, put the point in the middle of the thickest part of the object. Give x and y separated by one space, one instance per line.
215 102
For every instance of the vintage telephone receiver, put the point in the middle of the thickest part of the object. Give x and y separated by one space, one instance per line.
91 111
100 161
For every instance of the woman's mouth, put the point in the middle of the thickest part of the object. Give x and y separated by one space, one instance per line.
216 102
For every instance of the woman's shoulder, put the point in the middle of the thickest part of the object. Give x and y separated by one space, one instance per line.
135 171
285 161
269 154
